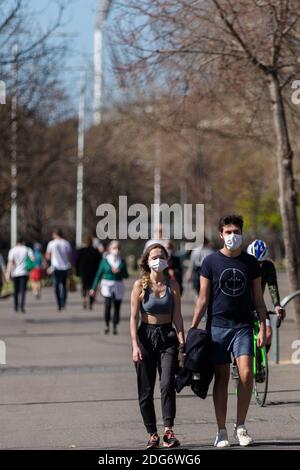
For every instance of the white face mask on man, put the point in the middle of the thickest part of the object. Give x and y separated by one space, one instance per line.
158 264
233 241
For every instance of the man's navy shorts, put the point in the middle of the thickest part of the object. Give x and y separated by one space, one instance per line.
238 341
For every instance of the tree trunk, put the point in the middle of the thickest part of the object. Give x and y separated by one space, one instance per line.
287 193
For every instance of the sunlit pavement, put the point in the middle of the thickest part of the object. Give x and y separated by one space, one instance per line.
67 385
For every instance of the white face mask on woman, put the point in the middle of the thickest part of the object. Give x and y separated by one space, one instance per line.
233 241
115 252
158 264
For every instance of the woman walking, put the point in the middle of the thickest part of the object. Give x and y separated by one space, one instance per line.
156 346
112 270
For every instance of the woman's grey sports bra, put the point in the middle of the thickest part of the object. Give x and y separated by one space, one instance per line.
158 305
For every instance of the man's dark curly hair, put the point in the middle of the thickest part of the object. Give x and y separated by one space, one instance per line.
233 219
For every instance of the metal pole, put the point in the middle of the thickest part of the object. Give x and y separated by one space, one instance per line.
183 201
14 130
157 186
79 197
275 340
97 76
104 7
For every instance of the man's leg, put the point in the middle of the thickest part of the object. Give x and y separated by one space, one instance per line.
245 387
220 393
63 291
23 286
56 286
16 292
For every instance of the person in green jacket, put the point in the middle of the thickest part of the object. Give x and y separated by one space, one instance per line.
111 272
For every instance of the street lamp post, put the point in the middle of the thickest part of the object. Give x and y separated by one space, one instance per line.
14 130
81 125
104 7
157 184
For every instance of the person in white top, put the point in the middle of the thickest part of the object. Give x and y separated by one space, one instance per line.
17 270
59 253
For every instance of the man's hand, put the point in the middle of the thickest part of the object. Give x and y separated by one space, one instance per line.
280 312
261 338
92 293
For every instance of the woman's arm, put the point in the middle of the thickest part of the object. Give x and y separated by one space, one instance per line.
134 318
177 317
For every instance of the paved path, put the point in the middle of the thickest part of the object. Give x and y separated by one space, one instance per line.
67 385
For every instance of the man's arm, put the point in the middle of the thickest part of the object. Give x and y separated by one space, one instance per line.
261 309
48 252
202 301
271 279
9 268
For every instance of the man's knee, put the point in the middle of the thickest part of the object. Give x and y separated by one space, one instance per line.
222 374
245 370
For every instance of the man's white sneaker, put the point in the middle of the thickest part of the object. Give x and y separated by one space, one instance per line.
222 438
241 435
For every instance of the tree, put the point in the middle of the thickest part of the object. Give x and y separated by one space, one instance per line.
248 50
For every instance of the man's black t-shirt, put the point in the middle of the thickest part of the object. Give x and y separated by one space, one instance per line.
231 288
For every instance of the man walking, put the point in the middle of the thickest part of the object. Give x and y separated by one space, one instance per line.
17 270
59 253
230 283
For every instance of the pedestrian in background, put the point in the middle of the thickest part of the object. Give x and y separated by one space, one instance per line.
174 266
17 268
112 271
59 253
2 273
198 255
88 260
36 274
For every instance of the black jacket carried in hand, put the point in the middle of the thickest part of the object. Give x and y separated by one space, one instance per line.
197 360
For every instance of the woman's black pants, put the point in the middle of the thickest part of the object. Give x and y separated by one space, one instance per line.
108 301
159 348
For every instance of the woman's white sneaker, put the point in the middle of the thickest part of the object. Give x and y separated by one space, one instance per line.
222 438
241 435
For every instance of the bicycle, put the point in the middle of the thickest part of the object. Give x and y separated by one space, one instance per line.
260 367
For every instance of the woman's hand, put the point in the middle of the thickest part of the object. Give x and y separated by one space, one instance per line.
92 293
137 354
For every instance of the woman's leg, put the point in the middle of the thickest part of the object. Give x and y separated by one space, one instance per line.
146 376
167 368
107 309
117 307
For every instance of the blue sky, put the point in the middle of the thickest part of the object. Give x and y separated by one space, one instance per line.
79 18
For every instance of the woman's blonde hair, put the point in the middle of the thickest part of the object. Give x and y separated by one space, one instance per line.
145 270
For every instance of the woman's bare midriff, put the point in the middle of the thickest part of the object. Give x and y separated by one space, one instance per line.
159 319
